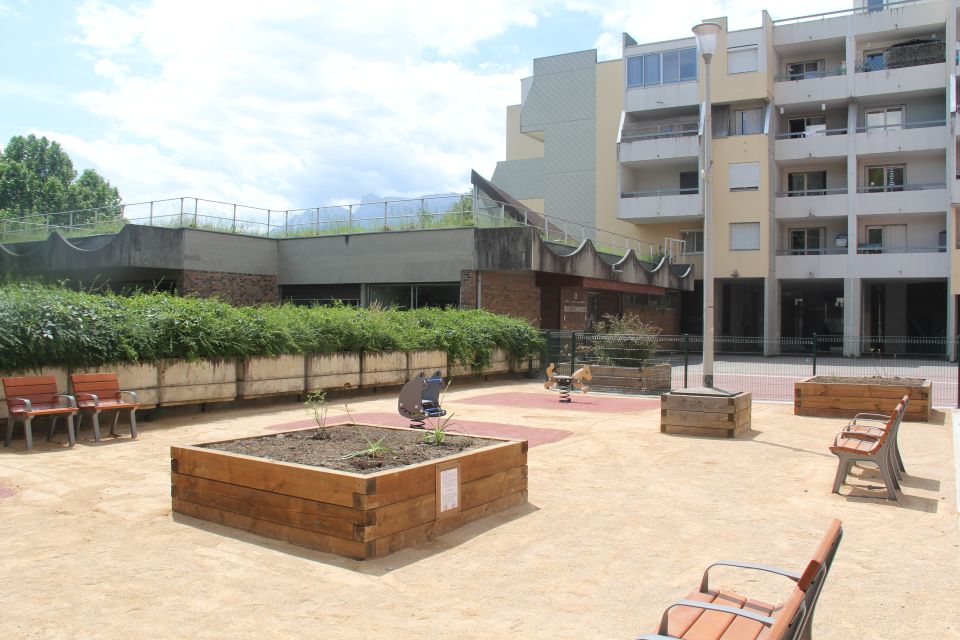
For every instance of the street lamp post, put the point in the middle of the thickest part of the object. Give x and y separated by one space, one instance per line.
706 33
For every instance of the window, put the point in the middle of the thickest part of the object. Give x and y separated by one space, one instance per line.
812 183
742 59
665 67
804 70
874 61
744 236
875 5
886 118
886 178
744 176
693 241
807 241
689 182
747 121
807 126
882 238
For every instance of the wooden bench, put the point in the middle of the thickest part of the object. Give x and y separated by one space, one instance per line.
96 392
851 447
709 614
872 425
32 396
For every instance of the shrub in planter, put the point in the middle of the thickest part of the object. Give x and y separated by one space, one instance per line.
625 342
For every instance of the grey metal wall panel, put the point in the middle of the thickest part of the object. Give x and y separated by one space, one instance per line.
560 97
570 146
565 62
522 179
571 196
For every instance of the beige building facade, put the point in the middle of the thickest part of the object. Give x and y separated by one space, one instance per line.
834 174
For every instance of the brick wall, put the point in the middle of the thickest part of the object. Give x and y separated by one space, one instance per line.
235 288
667 319
513 293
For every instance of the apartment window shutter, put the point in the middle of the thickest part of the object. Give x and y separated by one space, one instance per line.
742 59
744 236
744 176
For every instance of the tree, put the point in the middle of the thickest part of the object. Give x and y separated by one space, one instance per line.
37 176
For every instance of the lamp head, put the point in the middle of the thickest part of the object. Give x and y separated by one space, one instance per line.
706 33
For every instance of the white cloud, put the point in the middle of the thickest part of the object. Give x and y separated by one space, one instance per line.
295 98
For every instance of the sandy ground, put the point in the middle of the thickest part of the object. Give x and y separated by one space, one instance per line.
621 521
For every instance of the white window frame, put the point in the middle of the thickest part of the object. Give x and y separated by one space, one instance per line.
806 250
743 62
821 66
696 233
744 176
744 236
660 55
897 108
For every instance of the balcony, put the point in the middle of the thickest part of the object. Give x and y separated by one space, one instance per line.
908 198
829 143
820 86
818 263
660 205
873 248
659 142
822 203
909 262
663 96
879 80
913 136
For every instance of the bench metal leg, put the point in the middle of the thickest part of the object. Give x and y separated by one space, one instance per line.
843 468
9 436
133 424
28 432
96 425
71 432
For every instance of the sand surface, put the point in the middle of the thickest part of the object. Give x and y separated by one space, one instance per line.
621 521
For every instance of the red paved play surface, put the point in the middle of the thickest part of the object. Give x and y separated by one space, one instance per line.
533 435
581 402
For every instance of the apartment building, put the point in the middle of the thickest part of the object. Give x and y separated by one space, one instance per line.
834 173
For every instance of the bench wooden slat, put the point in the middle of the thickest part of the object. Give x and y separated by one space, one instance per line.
711 625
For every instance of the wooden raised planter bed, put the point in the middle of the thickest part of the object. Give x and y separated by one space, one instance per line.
818 397
355 515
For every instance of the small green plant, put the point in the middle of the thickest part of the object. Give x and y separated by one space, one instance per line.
625 341
374 449
438 425
316 403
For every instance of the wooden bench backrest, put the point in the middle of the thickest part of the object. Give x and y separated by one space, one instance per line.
103 385
812 579
36 389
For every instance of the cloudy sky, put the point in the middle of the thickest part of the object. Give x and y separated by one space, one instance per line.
301 103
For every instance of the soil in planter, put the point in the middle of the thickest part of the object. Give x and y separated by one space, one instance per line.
327 449
894 382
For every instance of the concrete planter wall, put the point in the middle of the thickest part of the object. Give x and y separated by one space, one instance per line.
183 382
271 376
383 368
333 371
427 362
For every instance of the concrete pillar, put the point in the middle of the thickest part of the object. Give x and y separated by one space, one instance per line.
771 316
852 315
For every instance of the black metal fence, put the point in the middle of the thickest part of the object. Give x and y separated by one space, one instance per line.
766 367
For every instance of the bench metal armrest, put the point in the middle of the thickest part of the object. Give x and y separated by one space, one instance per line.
132 394
875 416
27 405
696 604
859 436
96 399
71 401
704 584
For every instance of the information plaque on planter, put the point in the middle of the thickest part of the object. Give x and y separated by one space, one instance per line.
448 489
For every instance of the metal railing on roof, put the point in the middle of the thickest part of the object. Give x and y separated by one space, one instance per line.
409 214
844 12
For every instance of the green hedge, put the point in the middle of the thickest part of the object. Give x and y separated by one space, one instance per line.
48 325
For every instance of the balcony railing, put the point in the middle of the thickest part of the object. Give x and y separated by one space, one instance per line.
834 251
791 135
843 12
659 192
801 193
907 125
809 75
654 132
876 247
910 55
902 187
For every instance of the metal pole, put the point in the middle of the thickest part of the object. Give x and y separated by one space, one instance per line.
686 358
196 210
151 213
707 183
350 218
286 222
181 212
385 227
234 227
573 352
814 354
